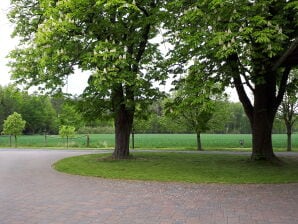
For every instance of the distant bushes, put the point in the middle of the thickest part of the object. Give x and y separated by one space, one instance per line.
96 130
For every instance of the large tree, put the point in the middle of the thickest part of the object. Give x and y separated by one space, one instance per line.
248 44
110 38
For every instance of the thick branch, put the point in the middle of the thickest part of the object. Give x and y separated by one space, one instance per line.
244 71
282 87
247 82
285 56
143 10
143 43
248 107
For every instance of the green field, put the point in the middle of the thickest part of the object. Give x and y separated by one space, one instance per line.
149 141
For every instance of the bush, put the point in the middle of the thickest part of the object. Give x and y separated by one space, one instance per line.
96 130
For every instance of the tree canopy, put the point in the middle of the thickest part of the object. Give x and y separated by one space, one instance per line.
108 38
14 124
195 100
244 44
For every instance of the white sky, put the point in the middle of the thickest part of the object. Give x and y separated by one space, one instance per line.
6 44
76 82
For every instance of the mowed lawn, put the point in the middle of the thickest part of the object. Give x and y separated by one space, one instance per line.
151 141
183 167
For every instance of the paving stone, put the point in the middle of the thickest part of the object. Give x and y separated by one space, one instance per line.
32 192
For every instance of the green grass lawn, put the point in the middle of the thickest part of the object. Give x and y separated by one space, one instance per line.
183 167
152 141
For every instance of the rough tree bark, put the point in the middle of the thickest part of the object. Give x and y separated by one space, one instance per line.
123 120
262 123
123 127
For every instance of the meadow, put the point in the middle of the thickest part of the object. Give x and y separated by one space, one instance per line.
148 141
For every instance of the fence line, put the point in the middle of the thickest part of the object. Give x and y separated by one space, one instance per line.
147 141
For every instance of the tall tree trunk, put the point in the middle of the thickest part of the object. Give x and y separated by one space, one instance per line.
123 121
261 136
199 142
267 98
123 127
262 122
261 114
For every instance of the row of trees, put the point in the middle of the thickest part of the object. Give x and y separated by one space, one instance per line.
46 114
14 125
215 43
41 113
228 118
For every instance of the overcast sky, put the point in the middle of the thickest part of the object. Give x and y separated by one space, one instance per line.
76 83
6 43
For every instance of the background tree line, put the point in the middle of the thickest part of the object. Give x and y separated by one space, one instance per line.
41 113
46 114
228 118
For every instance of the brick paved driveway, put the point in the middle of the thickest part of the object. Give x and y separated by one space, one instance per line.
32 192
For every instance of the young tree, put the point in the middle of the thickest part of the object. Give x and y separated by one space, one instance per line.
110 38
245 43
66 131
195 101
14 125
289 107
10 101
70 116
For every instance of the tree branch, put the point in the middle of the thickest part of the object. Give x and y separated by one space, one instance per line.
248 107
143 42
287 53
247 82
233 60
282 86
142 9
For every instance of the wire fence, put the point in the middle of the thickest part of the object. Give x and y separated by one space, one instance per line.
146 141
45 141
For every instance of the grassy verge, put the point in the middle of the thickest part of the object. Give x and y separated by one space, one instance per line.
183 167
